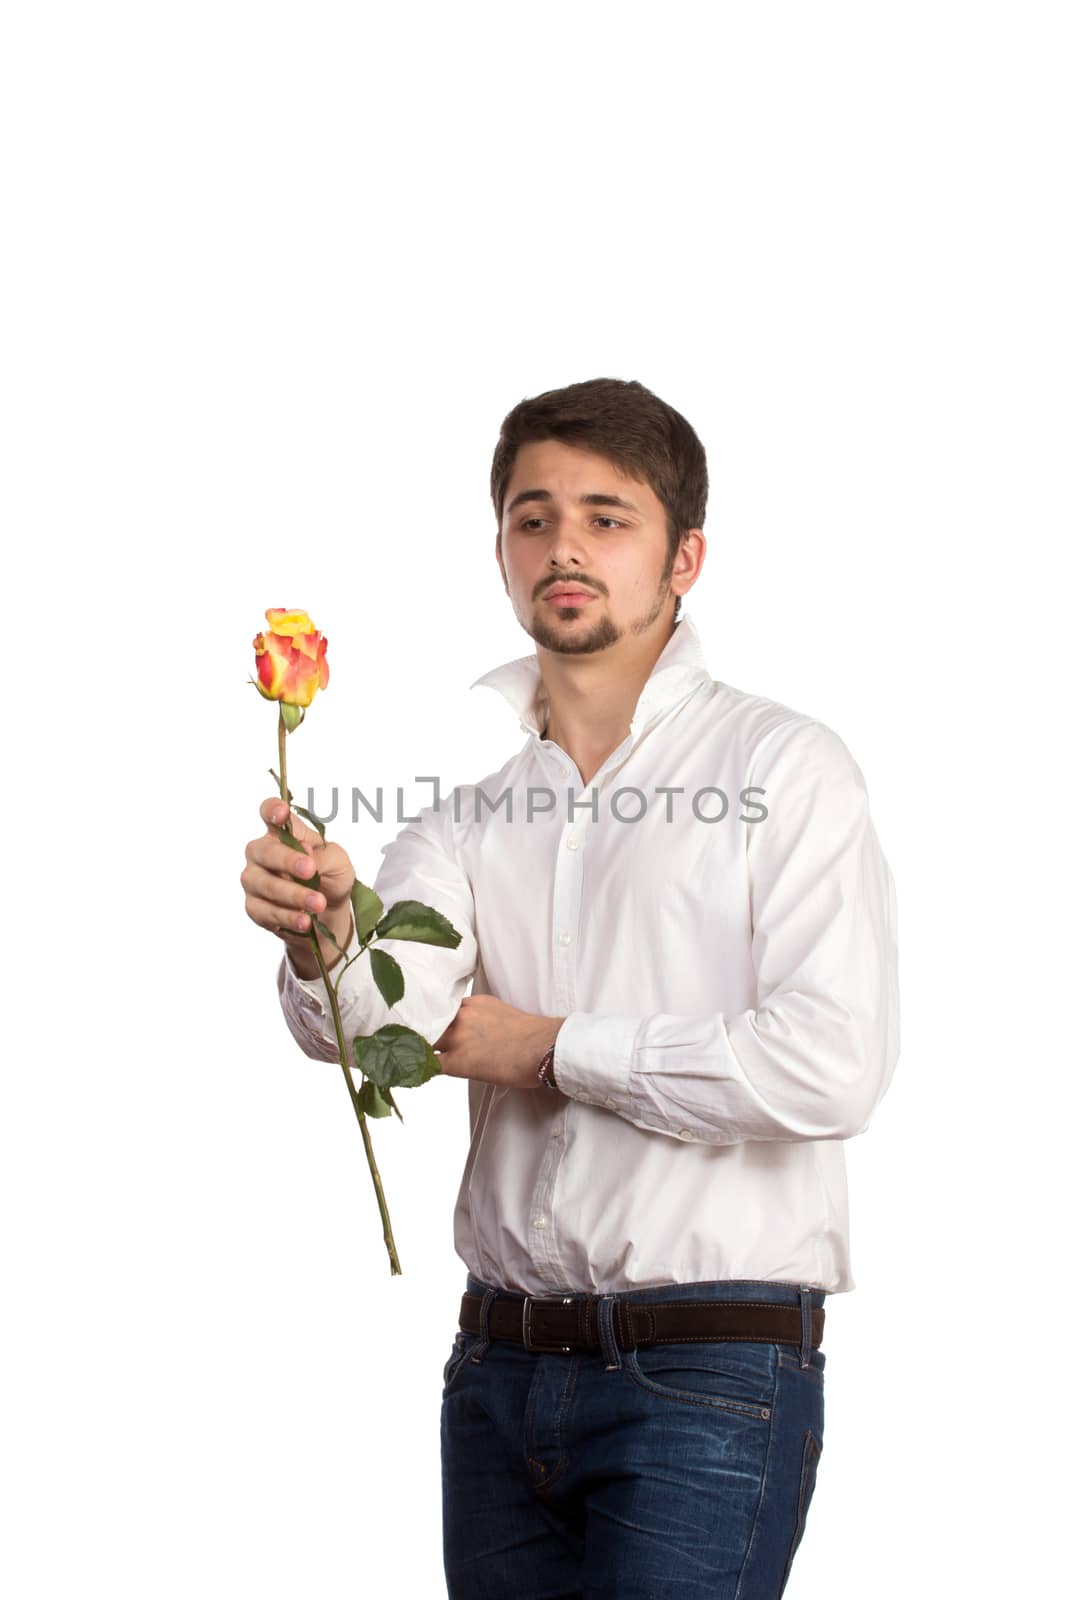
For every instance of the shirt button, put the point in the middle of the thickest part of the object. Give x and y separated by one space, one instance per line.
609 1105
564 938
540 1222
557 1130
572 843
685 1133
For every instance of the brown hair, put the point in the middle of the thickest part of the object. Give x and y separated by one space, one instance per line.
639 433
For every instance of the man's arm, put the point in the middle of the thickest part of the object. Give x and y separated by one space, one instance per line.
417 865
813 1058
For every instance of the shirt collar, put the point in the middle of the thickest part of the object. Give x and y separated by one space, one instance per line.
679 668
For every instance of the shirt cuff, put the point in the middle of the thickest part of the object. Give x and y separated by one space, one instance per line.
315 989
312 988
594 1059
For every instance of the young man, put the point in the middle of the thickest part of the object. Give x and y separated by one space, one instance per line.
681 931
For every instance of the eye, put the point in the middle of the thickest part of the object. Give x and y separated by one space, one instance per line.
537 523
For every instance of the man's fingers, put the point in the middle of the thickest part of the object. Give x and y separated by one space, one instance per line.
274 810
275 918
279 877
280 892
277 814
269 852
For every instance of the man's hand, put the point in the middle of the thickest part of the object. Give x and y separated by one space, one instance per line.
496 1043
277 899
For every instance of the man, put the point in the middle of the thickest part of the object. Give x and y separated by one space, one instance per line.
681 931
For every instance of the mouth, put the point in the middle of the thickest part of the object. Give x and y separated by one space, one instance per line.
570 597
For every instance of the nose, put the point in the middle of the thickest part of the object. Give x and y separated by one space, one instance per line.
568 548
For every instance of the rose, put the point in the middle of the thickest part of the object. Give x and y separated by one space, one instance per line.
291 663
291 668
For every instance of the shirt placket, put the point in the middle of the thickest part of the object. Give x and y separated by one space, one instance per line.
566 917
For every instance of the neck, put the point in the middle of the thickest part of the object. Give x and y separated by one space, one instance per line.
591 699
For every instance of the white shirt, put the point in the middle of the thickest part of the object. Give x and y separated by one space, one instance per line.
729 987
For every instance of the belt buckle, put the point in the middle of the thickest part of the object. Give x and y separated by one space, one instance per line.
528 1302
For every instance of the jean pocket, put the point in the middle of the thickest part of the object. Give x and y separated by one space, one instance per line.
735 1376
461 1348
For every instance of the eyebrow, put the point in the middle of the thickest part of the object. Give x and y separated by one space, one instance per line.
586 500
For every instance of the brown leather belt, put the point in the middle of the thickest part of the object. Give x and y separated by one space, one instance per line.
569 1322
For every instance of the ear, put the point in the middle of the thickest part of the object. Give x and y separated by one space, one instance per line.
692 549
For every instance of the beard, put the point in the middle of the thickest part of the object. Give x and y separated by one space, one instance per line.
567 634
572 638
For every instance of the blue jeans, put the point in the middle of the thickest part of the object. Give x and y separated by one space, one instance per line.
673 1470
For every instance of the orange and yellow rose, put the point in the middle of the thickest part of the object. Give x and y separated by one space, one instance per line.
291 663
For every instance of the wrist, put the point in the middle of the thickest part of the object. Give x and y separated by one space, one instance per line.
302 955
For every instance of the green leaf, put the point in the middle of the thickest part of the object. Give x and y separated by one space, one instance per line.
395 1057
410 919
372 1102
292 716
288 839
366 909
387 975
309 816
388 1093
324 933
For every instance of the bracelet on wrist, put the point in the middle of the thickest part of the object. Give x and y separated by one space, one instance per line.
545 1074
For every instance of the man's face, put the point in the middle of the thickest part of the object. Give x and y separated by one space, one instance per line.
571 517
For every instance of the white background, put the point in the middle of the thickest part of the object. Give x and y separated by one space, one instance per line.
274 275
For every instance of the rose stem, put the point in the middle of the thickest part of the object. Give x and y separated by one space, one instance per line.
387 1229
342 1047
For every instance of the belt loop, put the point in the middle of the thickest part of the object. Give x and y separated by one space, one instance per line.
482 1344
805 1325
605 1328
